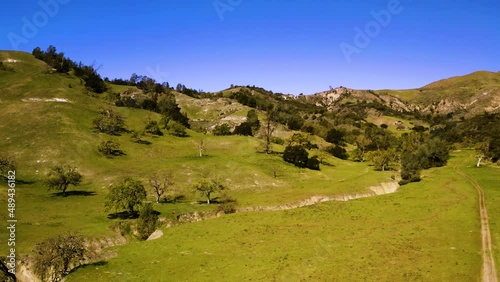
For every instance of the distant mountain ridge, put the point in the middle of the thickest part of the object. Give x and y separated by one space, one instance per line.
460 96
466 96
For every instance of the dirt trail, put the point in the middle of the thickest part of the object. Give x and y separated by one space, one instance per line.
381 189
489 271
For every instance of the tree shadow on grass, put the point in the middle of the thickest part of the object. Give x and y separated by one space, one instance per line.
123 215
74 193
91 265
213 201
18 181
116 153
325 163
143 142
173 199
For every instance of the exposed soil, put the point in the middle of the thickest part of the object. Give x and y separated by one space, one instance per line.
489 272
383 188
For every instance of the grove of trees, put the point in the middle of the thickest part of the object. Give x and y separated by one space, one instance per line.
61 64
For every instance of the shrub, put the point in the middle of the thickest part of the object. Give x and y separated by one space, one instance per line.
278 140
110 148
153 128
313 163
222 130
4 67
335 136
55 257
244 129
109 122
338 152
150 105
176 129
147 221
296 155
228 204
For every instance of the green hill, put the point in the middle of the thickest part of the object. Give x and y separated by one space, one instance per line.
465 96
426 231
48 120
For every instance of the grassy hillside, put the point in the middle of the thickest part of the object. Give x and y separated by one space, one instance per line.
427 231
41 133
467 95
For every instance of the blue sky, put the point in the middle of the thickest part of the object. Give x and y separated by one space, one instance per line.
289 46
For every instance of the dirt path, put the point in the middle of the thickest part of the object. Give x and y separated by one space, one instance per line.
489 271
381 189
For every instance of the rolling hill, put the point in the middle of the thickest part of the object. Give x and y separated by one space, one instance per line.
426 231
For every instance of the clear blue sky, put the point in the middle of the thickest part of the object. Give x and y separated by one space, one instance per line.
289 46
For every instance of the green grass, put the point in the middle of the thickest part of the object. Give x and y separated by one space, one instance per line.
390 122
427 231
41 134
454 89
487 177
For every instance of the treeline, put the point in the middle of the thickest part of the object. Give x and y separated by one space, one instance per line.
481 132
149 85
62 64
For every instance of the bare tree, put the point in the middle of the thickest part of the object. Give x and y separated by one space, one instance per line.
201 147
160 183
482 149
268 129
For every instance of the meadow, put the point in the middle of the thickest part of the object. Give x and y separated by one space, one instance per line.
426 231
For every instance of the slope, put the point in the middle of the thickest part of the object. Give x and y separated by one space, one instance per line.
47 120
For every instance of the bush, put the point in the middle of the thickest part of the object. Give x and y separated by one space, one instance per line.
153 128
313 163
244 129
222 130
296 155
295 122
176 129
337 152
54 258
335 136
150 105
4 67
278 140
110 148
228 204
147 221
109 122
